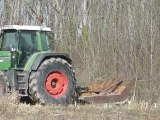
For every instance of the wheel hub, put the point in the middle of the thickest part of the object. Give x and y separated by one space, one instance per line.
53 83
56 83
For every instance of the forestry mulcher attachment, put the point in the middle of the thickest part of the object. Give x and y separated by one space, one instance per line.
108 91
29 66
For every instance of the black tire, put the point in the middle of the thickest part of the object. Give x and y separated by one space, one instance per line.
37 84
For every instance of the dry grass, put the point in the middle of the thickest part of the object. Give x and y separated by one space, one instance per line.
10 109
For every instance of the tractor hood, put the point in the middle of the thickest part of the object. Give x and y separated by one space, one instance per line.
5 60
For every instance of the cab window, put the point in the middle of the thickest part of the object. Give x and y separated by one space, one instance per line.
8 39
44 40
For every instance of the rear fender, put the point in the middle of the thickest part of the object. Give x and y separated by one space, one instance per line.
36 59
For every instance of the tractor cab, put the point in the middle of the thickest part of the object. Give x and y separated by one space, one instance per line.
17 43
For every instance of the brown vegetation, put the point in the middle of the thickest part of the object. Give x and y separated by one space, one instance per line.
10 109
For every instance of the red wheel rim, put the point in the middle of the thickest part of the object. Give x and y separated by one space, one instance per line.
56 83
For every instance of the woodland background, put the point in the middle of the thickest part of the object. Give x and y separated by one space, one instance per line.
105 38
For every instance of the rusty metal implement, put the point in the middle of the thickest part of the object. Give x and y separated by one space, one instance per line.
108 91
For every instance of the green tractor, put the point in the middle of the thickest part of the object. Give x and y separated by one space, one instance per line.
30 66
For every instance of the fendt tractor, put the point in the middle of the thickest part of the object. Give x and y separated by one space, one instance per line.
30 66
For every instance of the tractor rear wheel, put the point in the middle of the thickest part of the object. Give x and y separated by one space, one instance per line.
53 82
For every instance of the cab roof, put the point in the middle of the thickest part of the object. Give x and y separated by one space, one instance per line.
25 27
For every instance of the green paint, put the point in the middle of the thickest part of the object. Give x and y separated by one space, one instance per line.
39 41
30 61
32 58
5 60
5 53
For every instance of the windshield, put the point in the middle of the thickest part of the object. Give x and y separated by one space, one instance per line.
28 41
8 40
33 41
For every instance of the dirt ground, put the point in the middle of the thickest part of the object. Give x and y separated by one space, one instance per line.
10 109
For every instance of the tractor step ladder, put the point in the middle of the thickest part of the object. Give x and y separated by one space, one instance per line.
22 83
